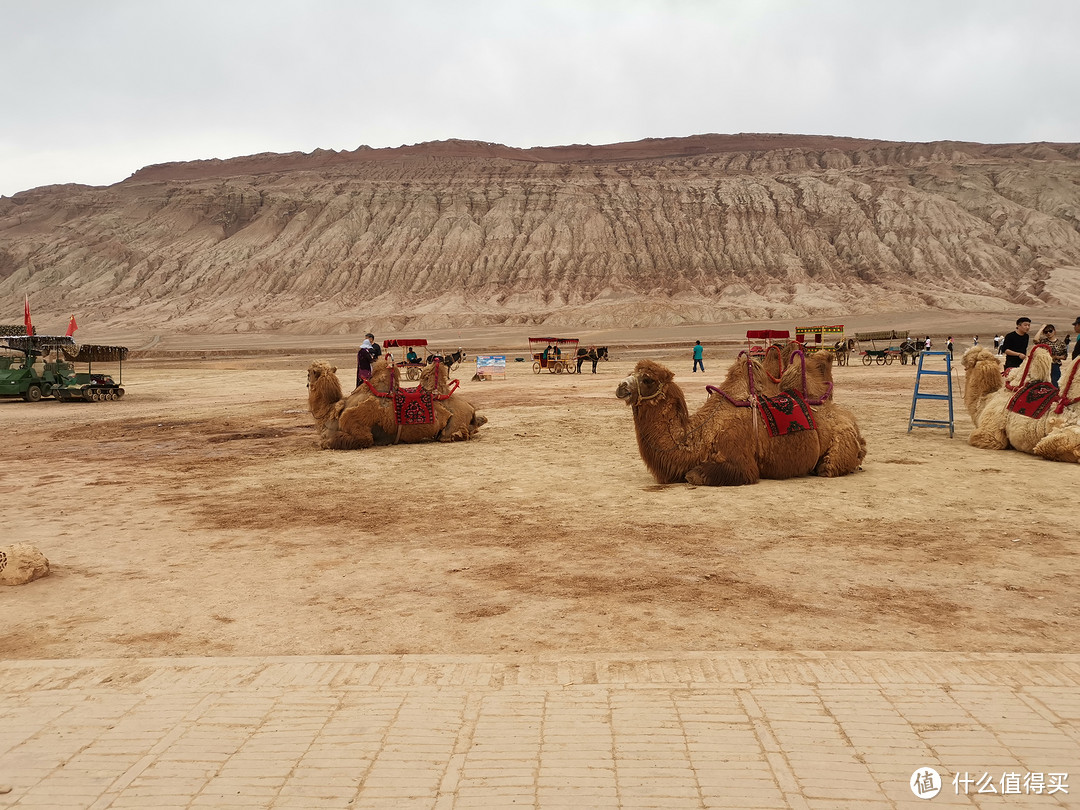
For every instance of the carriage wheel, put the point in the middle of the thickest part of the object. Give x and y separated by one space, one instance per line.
867 359
560 367
570 368
412 373
881 359
888 359
536 368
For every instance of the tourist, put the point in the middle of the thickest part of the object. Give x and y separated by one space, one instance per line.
699 353
376 349
948 346
1015 344
927 345
975 342
364 359
997 343
1048 336
1076 341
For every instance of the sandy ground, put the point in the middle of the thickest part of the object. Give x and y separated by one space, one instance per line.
197 516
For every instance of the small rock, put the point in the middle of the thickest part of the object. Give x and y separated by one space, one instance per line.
21 563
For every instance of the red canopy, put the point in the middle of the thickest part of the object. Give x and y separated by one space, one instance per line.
556 341
403 342
766 334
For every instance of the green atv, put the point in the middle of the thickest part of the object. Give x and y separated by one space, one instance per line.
21 376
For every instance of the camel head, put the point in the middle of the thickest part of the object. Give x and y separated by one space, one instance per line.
645 384
324 389
982 377
819 375
318 370
435 377
384 377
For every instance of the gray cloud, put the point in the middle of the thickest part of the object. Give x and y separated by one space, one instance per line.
97 90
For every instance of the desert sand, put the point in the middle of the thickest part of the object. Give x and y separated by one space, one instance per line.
197 516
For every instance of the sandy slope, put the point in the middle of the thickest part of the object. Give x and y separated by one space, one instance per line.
198 517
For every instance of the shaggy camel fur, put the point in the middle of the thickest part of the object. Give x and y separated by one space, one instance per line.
723 444
365 419
1053 436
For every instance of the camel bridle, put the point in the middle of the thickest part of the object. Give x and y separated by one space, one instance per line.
640 397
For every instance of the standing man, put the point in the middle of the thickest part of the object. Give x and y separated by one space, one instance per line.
376 349
1076 340
948 346
699 353
1015 344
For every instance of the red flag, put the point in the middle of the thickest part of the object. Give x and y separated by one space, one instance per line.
72 327
26 316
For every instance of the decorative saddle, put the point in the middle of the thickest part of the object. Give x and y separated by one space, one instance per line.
785 413
1034 399
414 406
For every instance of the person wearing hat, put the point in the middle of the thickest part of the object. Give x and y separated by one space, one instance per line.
1076 343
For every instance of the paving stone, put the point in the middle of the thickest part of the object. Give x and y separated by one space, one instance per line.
700 729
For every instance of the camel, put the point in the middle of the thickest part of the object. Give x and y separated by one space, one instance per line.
365 418
1054 433
725 444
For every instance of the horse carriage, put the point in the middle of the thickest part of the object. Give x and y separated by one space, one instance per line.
758 341
411 362
823 338
555 354
881 356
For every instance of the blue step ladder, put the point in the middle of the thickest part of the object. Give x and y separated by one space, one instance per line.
920 395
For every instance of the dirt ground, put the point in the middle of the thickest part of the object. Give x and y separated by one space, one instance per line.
197 516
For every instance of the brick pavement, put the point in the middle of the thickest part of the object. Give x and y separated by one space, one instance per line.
681 730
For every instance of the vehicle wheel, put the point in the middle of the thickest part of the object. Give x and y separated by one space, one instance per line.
881 360
888 359
119 393
571 368
33 394
88 394
867 359
46 390
536 368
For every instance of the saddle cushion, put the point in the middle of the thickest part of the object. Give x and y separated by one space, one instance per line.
786 413
1033 400
413 406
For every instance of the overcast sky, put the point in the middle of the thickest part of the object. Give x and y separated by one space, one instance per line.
93 90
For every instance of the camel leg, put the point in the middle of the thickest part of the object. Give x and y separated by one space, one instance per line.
735 471
844 455
1060 445
355 424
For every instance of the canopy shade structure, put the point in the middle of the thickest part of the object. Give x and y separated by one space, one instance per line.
404 343
35 343
767 334
886 334
91 353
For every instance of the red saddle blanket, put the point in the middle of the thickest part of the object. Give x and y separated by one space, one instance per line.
1034 399
786 413
413 406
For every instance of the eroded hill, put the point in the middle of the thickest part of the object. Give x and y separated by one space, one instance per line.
461 234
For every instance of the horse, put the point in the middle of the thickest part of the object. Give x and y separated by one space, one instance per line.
842 348
909 348
595 354
448 360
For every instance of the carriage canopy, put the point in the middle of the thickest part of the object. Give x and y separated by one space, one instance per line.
819 334
403 343
556 364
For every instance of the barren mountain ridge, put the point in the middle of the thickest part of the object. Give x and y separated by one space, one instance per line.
460 233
